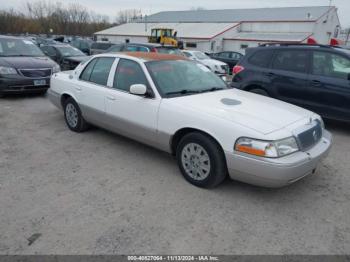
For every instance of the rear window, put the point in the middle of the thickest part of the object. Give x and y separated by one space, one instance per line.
261 58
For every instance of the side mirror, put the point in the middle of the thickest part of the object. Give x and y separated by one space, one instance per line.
138 89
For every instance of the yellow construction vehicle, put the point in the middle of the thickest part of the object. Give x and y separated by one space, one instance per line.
165 36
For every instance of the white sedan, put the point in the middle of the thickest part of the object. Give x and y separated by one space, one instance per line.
181 107
218 67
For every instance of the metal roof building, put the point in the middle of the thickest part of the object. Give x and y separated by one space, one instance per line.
240 15
234 29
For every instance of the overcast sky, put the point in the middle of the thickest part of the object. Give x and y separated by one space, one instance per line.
111 7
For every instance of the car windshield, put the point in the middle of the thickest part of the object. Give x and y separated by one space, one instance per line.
67 51
170 51
201 56
182 77
19 47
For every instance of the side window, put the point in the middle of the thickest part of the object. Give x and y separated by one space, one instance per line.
50 51
261 58
131 48
142 49
330 65
116 48
291 60
236 56
224 55
100 72
128 73
85 75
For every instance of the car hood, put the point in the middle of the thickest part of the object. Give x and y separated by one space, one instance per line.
27 62
262 114
77 59
212 62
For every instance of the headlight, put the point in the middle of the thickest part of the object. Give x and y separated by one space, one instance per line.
270 149
56 68
216 66
4 70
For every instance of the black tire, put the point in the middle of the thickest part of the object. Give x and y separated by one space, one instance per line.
259 92
2 95
218 169
81 125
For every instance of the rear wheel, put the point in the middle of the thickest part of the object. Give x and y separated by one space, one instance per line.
201 160
259 91
73 116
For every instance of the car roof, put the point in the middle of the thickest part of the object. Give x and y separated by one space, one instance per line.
12 37
146 44
58 45
154 56
192 51
287 46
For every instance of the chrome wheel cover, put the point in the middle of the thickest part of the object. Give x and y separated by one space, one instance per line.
71 115
195 161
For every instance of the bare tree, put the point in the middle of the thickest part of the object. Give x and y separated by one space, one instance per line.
43 15
128 15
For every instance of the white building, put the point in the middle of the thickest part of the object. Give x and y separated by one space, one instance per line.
234 29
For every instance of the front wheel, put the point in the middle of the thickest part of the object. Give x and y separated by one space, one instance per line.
73 116
201 160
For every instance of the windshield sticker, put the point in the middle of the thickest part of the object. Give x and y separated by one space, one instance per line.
27 42
203 67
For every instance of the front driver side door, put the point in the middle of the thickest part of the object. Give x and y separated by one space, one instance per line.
132 115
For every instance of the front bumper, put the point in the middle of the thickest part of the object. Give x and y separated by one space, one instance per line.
21 84
281 171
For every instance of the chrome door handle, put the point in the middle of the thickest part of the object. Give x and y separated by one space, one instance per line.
111 98
78 88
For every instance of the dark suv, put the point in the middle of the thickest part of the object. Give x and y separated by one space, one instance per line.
315 77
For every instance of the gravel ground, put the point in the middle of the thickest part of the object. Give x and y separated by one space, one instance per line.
99 193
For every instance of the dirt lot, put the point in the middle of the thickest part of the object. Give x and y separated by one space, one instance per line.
99 193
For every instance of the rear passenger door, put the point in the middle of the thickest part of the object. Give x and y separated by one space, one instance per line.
289 75
92 89
330 85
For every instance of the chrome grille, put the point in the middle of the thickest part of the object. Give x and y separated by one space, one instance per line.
311 136
36 73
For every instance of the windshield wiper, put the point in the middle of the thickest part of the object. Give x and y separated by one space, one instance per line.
17 55
212 89
183 92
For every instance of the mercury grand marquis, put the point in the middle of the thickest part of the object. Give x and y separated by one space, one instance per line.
181 107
